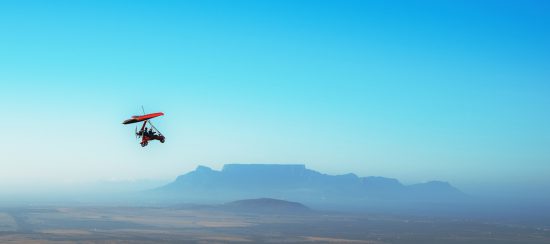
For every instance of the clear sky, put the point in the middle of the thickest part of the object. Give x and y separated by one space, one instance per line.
416 90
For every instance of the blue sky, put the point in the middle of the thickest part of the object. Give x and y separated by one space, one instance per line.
416 90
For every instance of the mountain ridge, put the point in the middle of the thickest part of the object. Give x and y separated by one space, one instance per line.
298 183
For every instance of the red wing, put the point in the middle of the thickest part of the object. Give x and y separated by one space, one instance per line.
136 119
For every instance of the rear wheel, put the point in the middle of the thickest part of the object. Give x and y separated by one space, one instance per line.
143 144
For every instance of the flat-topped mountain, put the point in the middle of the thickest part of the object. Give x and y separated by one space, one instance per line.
297 183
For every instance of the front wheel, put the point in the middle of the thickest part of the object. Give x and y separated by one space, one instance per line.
162 140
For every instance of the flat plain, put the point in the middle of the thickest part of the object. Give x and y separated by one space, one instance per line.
210 225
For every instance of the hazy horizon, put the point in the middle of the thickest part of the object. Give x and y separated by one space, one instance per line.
57 191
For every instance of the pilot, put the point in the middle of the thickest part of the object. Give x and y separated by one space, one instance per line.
151 132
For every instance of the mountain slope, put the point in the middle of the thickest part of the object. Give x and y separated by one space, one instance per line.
266 205
296 182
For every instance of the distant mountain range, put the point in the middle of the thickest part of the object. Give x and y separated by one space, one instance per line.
297 183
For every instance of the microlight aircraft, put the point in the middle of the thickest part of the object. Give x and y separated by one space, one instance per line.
145 134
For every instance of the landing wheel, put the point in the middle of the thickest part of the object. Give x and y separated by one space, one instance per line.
143 144
162 140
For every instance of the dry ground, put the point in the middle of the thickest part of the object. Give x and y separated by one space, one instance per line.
165 225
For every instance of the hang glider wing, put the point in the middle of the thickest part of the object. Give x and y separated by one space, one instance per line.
140 118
